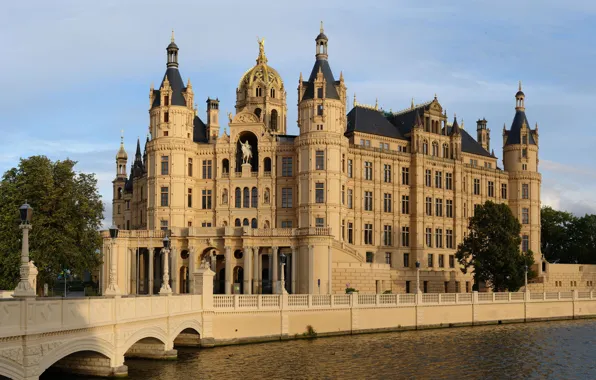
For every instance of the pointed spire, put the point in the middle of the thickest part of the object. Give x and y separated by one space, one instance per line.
536 128
520 87
341 76
492 153
172 50
138 153
455 127
376 103
188 84
412 105
321 44
321 30
355 103
418 121
300 80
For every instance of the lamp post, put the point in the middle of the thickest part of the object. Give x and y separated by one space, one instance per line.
28 271
112 289
282 259
165 285
526 278
417 276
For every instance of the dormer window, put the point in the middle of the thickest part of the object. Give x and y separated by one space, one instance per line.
166 117
320 92
320 110
166 100
524 139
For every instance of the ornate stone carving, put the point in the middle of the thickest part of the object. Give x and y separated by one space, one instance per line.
15 354
245 117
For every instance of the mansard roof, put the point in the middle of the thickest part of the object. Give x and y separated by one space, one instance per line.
199 131
370 120
406 119
177 85
330 91
514 134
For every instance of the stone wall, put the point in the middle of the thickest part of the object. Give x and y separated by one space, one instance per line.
364 277
566 277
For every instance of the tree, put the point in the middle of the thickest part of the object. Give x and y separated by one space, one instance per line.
67 214
555 233
492 248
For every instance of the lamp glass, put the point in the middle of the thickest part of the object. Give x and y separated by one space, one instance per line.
166 242
113 232
26 213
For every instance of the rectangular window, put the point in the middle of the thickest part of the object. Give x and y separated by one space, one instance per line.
405 204
350 233
319 192
368 170
163 225
388 258
446 286
449 239
286 224
465 210
525 216
286 166
438 179
429 237
207 166
430 260
343 194
343 229
473 162
350 166
449 181
457 287
491 189
189 198
439 238
428 178
206 199
467 286
449 208
368 201
319 222
166 116
164 197
190 167
387 173
504 191
165 167
441 261
406 260
320 160
286 197
350 197
429 206
525 243
387 202
387 235
451 261
525 191
405 176
476 186
368 234
320 110
438 207
370 256
405 236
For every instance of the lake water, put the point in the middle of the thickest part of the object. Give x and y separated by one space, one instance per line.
546 350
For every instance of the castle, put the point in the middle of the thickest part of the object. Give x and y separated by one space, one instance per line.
359 198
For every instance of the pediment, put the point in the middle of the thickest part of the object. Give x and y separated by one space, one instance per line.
245 117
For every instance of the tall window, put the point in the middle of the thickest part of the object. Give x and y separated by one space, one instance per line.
406 260
206 199
441 261
368 170
405 204
525 243
435 149
189 198
166 116
163 225
388 258
429 206
319 222
319 192
343 229
190 167
238 198
452 264
350 232
449 181
245 198
445 151
368 201
350 166
254 197
164 197
368 234
429 237
405 236
525 216
343 194
350 197
449 239
387 202
320 160
286 197
476 186
438 179
430 260
207 165
449 208
504 191
425 147
438 207
428 178
165 165
405 176
439 238
491 189
286 166
525 191
387 235
387 173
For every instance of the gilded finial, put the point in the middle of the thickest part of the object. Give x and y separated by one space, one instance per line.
188 83
520 85
341 76
122 137
321 26
301 78
376 103
412 105
435 96
172 35
262 58
355 103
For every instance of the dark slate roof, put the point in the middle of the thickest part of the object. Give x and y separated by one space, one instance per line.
455 129
405 121
469 145
177 85
367 120
330 91
514 134
321 36
199 134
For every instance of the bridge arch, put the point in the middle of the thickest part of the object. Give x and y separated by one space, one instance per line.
190 324
149 332
94 345
187 334
10 369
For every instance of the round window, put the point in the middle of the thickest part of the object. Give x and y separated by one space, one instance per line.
238 254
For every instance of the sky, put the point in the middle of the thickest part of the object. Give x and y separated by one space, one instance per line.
76 73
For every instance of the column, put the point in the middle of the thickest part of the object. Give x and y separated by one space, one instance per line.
260 269
294 263
275 270
247 270
270 272
134 269
174 270
330 273
150 282
228 258
255 275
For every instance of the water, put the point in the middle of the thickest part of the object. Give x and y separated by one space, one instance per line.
549 350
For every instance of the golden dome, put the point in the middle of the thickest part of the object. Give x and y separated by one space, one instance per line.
121 155
261 72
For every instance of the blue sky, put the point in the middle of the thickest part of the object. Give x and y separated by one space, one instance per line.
77 72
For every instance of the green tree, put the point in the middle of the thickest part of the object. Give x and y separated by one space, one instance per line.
67 214
582 236
492 248
556 234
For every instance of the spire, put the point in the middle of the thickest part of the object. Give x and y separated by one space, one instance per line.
172 50
412 105
321 30
519 99
172 40
355 103
341 76
321 44
262 58
376 103
138 153
121 155
418 121
455 131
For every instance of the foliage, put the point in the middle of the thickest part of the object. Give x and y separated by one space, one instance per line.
67 214
492 248
351 290
387 291
310 332
566 238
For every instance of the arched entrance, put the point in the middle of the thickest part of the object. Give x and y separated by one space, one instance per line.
253 141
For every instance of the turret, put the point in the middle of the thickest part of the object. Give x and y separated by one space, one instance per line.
212 119
119 184
483 134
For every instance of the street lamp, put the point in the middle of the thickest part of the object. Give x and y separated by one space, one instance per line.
28 283
113 289
165 285
282 259
526 278
417 276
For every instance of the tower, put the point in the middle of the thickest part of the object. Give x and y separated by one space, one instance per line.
483 134
212 119
118 185
520 161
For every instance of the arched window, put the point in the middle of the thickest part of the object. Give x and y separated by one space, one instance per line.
445 151
225 166
254 197
224 197
253 223
425 147
259 91
238 196
435 149
266 224
237 223
273 93
273 121
258 113
266 196
119 193
246 198
245 222
267 164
